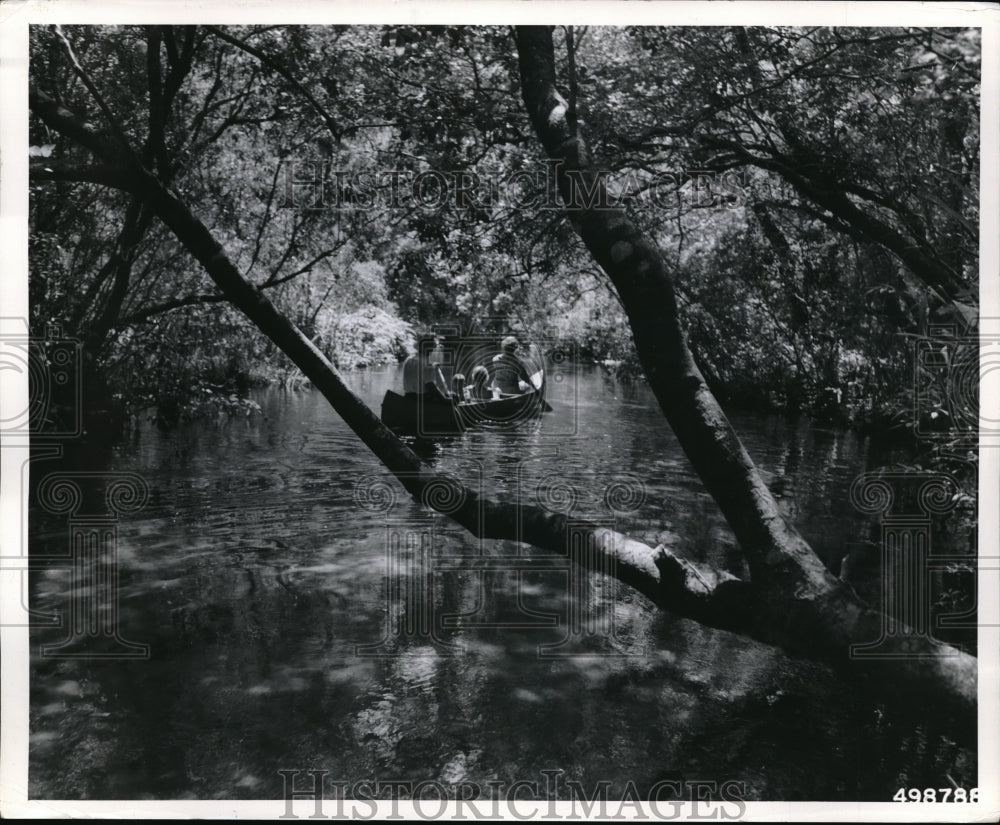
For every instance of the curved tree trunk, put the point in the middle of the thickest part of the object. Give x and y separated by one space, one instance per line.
807 607
775 552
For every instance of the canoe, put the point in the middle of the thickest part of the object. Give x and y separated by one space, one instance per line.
420 414
428 415
510 410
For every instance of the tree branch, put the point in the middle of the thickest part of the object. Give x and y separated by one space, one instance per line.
122 259
144 315
156 149
918 256
274 280
264 220
113 176
94 92
273 64
68 124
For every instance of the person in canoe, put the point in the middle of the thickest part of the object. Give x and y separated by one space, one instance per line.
510 375
479 386
422 371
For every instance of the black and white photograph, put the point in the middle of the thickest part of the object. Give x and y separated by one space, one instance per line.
565 411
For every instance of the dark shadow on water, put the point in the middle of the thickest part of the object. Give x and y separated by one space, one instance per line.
262 587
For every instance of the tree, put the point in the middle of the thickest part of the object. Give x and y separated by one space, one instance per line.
792 600
127 290
792 103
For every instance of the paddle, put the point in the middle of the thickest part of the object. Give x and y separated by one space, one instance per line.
536 381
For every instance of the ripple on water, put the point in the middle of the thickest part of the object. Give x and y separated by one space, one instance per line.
279 635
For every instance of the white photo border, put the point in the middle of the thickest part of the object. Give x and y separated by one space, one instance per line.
15 18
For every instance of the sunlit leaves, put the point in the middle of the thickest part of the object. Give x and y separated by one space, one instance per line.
886 117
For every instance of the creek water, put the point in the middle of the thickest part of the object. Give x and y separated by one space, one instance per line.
303 613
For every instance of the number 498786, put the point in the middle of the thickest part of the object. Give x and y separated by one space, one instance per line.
936 795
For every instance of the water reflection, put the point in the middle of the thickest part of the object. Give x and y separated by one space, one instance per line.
281 639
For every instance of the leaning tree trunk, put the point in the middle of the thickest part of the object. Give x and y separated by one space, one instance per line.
775 552
801 608
810 608
665 577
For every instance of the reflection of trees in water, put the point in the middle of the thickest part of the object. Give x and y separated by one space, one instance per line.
253 641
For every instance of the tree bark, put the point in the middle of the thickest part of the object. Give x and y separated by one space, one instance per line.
807 608
775 552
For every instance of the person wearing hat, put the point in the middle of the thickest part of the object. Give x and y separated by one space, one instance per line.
510 376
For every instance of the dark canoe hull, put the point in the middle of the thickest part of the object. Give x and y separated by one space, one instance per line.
420 415
512 410
429 416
